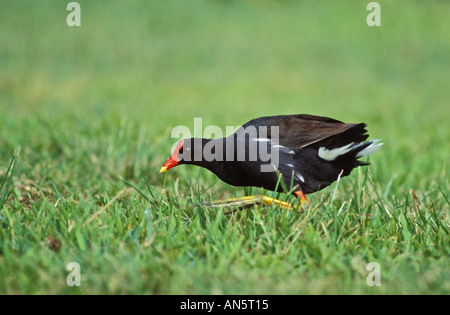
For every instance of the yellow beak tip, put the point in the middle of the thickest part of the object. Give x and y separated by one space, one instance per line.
163 169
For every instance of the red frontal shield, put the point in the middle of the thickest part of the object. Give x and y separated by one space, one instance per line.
173 160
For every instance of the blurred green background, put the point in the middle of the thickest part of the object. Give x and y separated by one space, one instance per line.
88 104
158 64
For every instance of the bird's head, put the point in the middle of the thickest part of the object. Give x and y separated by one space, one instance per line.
187 151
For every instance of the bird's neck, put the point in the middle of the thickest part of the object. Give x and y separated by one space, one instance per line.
208 153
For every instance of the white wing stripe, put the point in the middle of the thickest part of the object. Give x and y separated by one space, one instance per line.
331 155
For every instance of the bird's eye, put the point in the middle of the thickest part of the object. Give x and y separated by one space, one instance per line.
180 151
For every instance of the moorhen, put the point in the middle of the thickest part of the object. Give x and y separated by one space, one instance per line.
297 153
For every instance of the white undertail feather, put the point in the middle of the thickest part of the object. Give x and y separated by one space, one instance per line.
372 148
331 155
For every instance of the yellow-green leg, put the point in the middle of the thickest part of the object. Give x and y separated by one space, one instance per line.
249 201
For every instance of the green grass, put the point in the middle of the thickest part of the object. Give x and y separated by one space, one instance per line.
92 109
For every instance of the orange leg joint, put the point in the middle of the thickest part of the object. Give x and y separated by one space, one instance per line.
302 196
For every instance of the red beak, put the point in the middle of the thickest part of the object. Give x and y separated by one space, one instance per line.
173 160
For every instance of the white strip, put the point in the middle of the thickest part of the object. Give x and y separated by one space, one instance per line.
286 150
372 148
331 155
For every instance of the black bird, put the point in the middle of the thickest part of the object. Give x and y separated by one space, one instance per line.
308 152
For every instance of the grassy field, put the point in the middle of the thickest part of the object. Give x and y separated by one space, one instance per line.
92 108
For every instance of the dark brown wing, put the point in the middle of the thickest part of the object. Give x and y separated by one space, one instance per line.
299 131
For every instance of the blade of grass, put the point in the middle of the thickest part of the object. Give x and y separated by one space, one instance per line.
7 179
